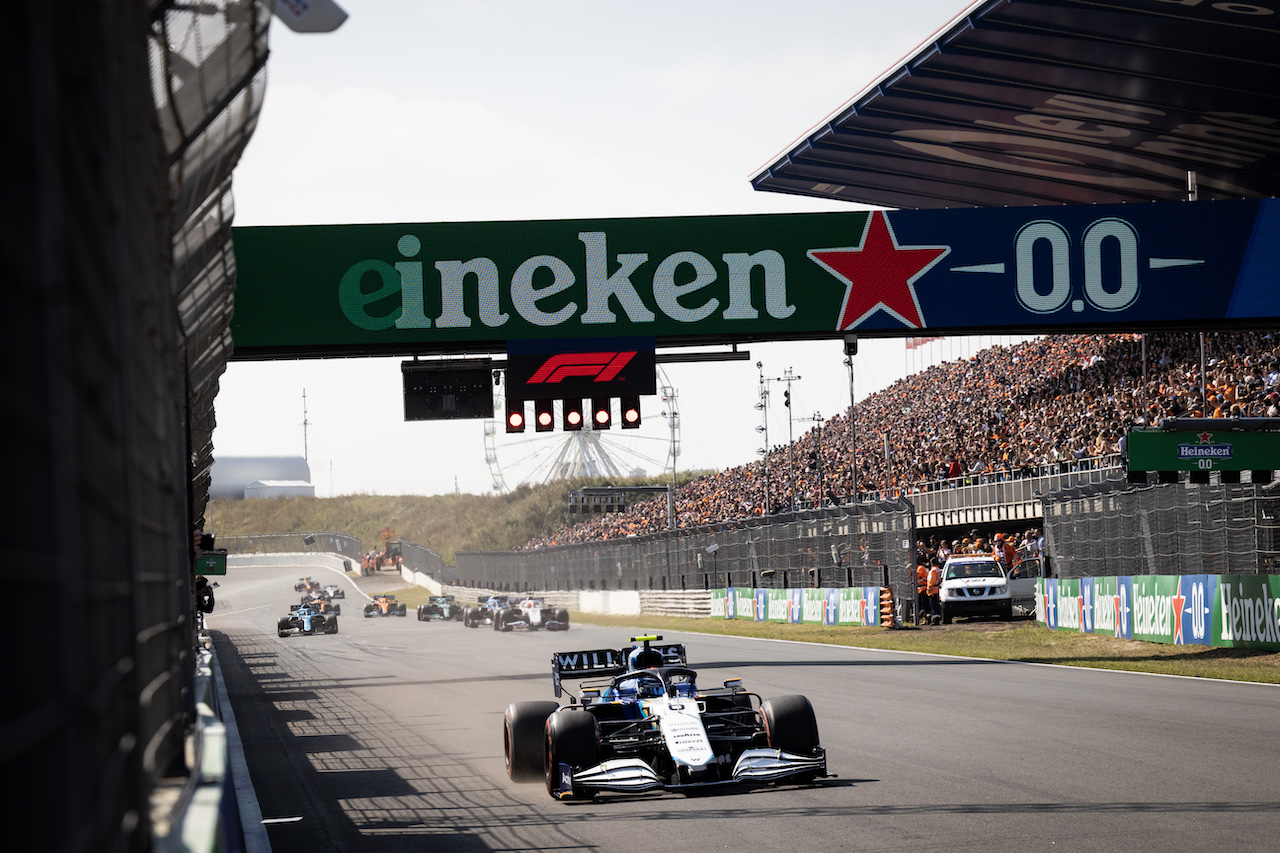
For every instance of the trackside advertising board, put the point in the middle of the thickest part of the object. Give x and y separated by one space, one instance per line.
1241 611
1205 450
421 287
833 606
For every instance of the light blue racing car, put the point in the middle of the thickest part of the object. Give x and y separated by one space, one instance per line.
307 620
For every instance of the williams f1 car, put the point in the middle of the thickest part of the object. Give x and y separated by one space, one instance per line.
306 620
645 724
530 614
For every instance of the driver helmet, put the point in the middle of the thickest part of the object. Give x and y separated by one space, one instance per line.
644 659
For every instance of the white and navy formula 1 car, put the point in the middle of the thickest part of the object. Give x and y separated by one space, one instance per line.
645 724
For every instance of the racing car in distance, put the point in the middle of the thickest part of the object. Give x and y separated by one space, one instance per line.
306 620
530 614
305 584
485 612
438 608
332 590
325 606
319 600
385 605
645 724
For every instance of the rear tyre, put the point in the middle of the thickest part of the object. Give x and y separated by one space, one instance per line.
497 620
523 727
333 625
562 616
946 615
573 738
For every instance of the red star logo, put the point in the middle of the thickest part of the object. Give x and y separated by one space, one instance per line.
1205 437
1177 600
879 274
1119 627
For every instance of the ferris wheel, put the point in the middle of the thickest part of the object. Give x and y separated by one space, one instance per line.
516 459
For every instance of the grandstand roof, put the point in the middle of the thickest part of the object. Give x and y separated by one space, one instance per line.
1022 102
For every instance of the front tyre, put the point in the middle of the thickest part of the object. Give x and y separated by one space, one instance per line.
523 726
573 739
789 724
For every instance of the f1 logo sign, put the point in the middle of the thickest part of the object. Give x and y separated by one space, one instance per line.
600 366
587 367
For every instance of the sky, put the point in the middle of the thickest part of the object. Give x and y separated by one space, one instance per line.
473 110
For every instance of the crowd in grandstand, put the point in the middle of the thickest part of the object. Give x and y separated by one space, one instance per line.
1009 411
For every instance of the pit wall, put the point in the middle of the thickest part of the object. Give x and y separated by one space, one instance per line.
1234 611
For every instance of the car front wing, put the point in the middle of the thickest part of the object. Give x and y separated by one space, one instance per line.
632 775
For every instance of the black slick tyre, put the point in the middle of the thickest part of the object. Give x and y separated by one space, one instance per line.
789 724
523 727
573 738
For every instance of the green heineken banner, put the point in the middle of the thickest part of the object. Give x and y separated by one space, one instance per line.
315 290
1206 450
1212 610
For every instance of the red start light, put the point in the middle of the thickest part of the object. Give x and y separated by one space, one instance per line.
574 418
602 416
515 420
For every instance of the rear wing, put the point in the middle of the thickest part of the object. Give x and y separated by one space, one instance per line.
607 662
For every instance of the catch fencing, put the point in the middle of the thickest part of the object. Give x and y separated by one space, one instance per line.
419 558
292 543
1170 529
852 545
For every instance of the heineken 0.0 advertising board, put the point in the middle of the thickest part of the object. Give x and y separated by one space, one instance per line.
407 288
1208 610
1204 450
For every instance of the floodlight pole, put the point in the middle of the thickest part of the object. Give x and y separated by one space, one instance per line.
763 406
850 350
788 378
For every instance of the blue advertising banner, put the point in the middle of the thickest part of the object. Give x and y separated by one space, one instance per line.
797 605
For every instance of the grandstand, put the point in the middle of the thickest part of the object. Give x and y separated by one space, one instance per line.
1050 406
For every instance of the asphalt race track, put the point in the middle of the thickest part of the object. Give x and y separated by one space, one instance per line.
388 737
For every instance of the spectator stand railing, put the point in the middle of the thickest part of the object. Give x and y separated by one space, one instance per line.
1004 495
